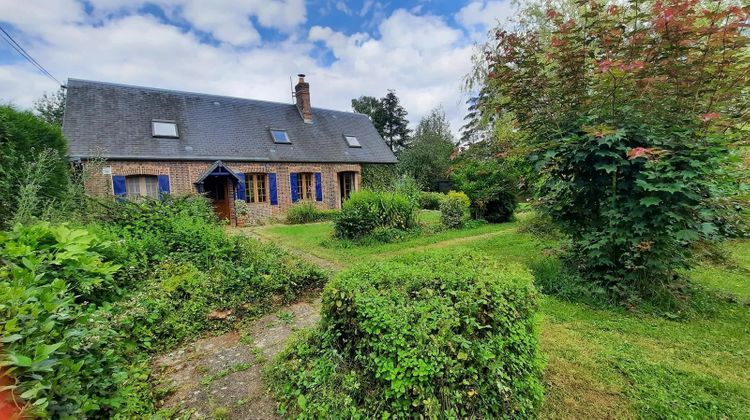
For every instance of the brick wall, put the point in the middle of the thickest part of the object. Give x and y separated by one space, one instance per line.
182 176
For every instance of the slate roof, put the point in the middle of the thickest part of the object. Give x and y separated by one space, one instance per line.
114 121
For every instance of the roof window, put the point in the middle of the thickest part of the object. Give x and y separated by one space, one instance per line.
164 128
280 136
352 141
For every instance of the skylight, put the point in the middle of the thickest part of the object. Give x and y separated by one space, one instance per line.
160 128
280 136
352 141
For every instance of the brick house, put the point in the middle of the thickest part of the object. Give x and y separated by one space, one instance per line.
269 154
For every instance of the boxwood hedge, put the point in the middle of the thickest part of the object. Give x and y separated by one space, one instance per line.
433 336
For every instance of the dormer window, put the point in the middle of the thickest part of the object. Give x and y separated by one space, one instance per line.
164 128
280 137
352 141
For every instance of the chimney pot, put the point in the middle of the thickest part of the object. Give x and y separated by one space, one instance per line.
302 94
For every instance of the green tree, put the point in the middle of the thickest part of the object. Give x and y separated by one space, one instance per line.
372 107
627 112
395 125
427 159
388 117
51 107
24 140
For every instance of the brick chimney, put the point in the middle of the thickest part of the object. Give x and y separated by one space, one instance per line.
302 93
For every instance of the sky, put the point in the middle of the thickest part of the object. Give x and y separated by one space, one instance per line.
249 48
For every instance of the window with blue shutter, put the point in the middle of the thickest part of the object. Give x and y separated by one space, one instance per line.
240 193
294 186
118 186
163 184
318 186
272 190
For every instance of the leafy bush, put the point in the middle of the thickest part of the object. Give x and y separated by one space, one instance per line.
540 225
430 200
378 176
66 360
308 212
33 165
430 336
366 210
626 165
408 187
491 185
454 209
77 331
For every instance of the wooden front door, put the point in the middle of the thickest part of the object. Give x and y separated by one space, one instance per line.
346 186
217 189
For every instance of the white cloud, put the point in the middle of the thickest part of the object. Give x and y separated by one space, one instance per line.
227 20
479 16
422 57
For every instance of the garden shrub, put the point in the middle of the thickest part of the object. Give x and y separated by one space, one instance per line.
491 185
454 209
67 360
431 336
366 210
430 200
308 212
626 166
408 187
540 225
33 165
378 176
77 331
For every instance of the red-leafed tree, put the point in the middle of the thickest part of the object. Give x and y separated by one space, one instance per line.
627 111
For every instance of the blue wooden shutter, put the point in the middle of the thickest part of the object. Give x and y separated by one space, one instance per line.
118 186
318 186
293 185
241 186
272 189
163 184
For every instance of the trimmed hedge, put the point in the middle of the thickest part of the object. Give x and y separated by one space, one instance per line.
429 336
365 211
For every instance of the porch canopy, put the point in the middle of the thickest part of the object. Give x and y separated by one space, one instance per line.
217 169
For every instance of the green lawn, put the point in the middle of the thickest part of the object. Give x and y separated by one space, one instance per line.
603 363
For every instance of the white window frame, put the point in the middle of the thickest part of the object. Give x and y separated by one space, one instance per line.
167 136
286 136
356 142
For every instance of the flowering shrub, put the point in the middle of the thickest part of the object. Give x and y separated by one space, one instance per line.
433 336
454 209
626 110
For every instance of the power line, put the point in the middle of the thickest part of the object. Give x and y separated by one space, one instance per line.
19 49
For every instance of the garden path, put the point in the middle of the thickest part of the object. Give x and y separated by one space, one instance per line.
221 376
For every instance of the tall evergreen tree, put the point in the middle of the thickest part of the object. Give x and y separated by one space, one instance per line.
395 125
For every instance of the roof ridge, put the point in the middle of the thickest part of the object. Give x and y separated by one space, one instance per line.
210 95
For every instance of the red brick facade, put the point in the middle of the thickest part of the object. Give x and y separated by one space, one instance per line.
183 175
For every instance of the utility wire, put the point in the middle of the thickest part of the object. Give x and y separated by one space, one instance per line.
19 49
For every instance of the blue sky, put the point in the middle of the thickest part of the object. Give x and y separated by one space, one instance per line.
249 48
